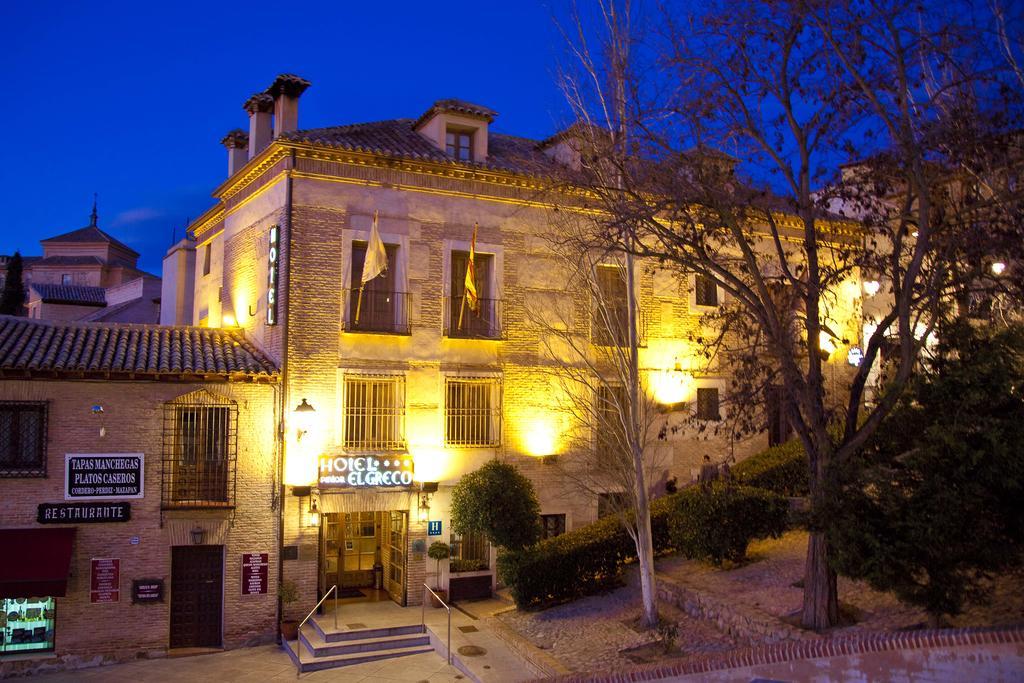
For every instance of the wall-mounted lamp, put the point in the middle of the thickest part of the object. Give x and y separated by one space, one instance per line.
423 506
198 533
998 268
871 287
314 513
304 413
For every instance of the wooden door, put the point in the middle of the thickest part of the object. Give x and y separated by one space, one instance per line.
398 537
197 595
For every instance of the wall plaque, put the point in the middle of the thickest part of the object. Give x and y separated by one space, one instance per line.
105 583
83 513
147 590
255 573
103 475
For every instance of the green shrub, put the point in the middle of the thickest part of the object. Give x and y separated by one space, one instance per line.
782 469
580 562
457 565
498 501
717 524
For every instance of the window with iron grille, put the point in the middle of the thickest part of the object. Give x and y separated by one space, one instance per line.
472 411
200 451
610 324
610 439
706 291
707 404
22 438
552 525
374 412
469 552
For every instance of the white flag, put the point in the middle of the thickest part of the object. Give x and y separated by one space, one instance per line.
376 261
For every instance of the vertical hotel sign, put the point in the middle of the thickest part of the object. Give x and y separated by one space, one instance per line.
273 256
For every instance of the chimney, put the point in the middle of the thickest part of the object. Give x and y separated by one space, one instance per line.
286 90
237 142
260 107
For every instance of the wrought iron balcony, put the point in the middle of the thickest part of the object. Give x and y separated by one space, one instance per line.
482 324
381 311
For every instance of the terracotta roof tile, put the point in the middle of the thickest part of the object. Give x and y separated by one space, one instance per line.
35 346
89 233
69 294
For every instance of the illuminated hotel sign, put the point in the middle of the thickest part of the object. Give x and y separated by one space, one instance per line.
273 253
368 470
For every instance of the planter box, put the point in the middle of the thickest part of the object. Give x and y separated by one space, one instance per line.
470 585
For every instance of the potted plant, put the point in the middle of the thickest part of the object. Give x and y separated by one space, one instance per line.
288 592
438 551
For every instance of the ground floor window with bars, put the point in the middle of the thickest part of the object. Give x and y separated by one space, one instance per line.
472 411
200 444
22 438
469 553
374 412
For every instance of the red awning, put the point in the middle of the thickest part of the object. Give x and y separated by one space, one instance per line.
35 562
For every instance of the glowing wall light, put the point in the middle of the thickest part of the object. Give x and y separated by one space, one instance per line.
303 449
541 435
871 287
826 343
670 387
998 268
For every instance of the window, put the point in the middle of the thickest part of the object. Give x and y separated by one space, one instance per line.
380 308
611 503
65 279
22 439
610 440
374 412
779 428
705 291
27 626
472 411
610 325
460 321
200 449
469 553
459 144
206 260
552 525
707 404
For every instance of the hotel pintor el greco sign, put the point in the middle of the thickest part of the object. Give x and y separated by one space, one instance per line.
346 471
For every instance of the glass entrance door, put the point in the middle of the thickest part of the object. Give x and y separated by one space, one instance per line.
395 557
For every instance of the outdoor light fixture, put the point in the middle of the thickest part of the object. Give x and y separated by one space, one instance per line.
228 320
303 417
825 344
998 267
871 287
197 533
423 506
314 512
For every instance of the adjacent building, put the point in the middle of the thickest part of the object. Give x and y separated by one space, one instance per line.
139 471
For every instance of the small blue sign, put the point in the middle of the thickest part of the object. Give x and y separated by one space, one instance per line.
434 528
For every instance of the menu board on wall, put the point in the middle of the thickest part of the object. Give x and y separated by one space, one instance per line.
103 475
105 583
255 573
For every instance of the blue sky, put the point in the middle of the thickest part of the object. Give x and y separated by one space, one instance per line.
130 100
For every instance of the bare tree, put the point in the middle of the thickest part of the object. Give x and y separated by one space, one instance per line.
792 89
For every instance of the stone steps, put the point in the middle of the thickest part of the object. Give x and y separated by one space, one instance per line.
321 647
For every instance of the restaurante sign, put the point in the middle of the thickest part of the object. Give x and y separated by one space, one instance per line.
369 470
103 475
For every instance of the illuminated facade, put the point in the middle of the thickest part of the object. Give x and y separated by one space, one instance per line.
399 391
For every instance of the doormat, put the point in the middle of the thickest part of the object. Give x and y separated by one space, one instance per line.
350 593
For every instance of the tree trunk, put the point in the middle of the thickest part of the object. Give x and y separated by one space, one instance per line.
645 553
821 597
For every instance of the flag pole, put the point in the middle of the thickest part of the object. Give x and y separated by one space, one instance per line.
359 301
462 309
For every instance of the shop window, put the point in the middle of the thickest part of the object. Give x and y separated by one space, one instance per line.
22 438
374 412
705 291
199 451
707 404
460 320
459 144
380 308
552 525
469 552
26 625
472 411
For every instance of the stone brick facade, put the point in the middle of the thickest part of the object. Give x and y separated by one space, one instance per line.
133 421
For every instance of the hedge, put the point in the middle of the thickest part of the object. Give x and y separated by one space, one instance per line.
718 524
590 559
782 469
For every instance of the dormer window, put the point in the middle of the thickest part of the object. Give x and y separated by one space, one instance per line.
459 144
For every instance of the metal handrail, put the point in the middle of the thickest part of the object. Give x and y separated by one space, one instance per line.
298 631
423 617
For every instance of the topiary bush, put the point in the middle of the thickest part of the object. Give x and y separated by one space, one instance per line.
719 523
498 501
782 469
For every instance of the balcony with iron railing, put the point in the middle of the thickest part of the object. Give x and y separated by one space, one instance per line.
485 323
381 311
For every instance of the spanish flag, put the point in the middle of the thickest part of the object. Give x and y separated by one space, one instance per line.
470 297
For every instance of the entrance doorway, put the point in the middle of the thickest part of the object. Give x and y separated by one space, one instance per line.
197 595
363 553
